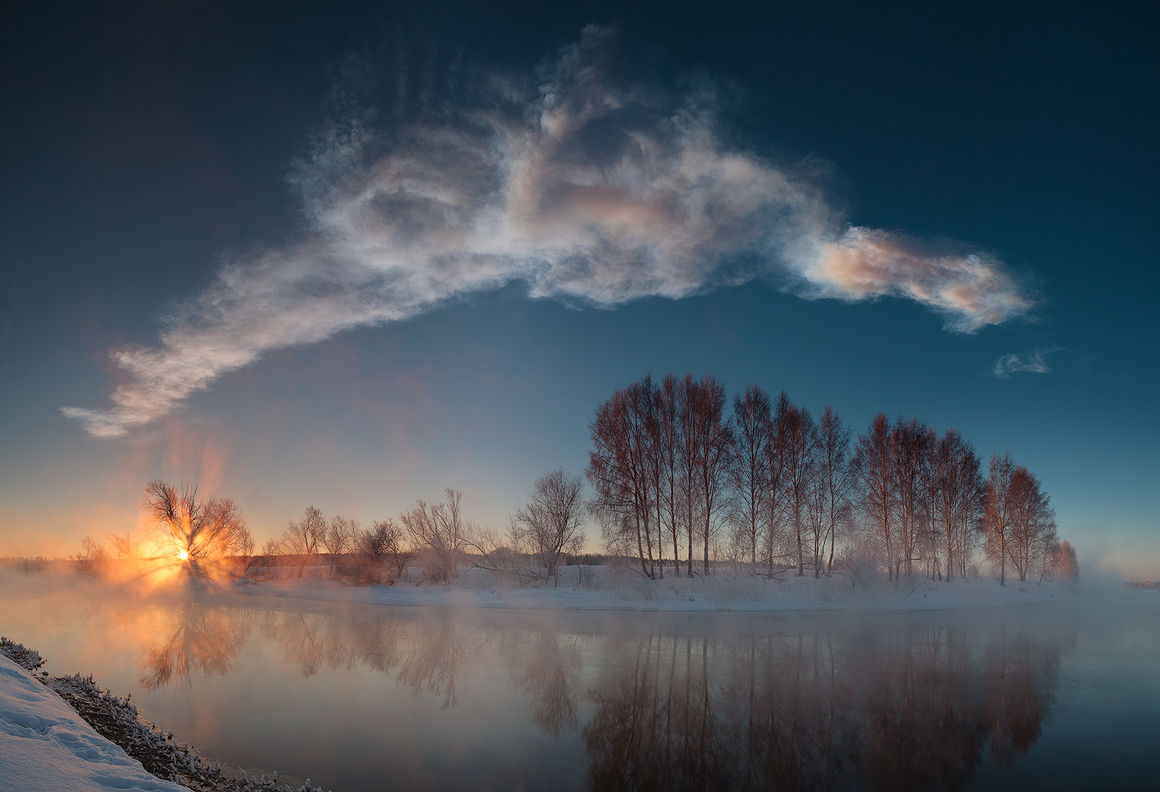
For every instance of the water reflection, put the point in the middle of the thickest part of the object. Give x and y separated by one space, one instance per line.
545 667
815 710
202 638
888 703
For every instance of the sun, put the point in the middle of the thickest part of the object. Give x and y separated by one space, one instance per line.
183 555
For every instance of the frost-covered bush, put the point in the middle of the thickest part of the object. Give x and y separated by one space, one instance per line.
28 659
863 561
93 559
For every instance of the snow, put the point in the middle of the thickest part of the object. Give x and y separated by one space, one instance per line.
605 588
45 745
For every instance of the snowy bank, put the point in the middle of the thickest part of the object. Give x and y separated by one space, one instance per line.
45 744
66 733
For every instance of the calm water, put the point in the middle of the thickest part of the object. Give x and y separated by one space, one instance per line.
361 697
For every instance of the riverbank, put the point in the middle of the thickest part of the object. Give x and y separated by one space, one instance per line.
66 733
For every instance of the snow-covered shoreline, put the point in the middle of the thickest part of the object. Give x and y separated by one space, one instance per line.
46 744
67 734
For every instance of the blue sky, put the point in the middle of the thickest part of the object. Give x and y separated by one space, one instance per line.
351 255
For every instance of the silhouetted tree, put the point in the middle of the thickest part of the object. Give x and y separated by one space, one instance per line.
874 465
199 530
997 518
619 472
382 545
666 439
835 472
911 444
749 465
795 443
711 438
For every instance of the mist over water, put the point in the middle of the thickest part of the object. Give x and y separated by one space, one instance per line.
361 696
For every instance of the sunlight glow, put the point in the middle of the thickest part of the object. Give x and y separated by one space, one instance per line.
183 555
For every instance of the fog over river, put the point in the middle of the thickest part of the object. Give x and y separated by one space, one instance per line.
364 696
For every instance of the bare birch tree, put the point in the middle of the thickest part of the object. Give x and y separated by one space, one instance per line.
619 472
711 438
749 466
835 473
874 465
997 519
796 441
959 498
1031 531
911 445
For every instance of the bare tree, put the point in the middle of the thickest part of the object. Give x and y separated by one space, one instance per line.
549 525
835 472
338 538
618 470
124 544
959 498
874 465
304 538
796 441
911 444
997 518
667 444
775 500
199 530
687 462
1031 529
1066 567
381 546
749 465
711 439
93 558
436 532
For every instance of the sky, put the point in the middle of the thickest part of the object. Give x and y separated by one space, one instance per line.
350 254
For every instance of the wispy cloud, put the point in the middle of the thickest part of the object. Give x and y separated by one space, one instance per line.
1031 362
580 186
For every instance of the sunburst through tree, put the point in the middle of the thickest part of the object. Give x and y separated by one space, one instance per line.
197 531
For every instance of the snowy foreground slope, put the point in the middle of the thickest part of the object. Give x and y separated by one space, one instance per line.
45 745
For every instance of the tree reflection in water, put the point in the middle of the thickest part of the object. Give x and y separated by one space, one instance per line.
908 702
545 667
906 709
204 638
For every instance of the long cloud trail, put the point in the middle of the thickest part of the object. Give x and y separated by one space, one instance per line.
578 186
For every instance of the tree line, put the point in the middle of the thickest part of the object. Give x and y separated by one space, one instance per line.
681 476
678 471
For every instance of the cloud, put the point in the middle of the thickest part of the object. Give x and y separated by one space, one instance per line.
1032 362
578 185
971 289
